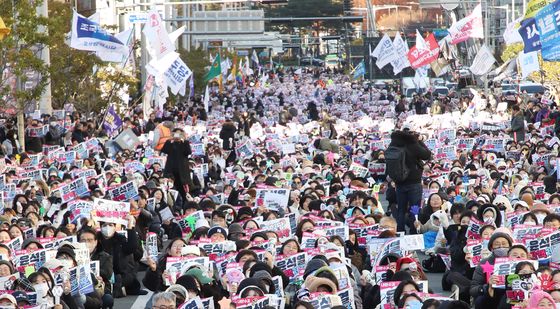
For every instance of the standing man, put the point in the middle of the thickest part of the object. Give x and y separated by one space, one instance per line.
404 166
517 130
178 151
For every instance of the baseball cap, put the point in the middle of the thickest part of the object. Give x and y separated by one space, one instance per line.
217 229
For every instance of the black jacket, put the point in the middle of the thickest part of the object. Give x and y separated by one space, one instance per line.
122 249
416 151
54 136
153 280
105 266
178 153
227 134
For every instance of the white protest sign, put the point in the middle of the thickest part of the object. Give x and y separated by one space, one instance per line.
110 211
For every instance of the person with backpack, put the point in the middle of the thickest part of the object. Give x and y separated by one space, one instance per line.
404 166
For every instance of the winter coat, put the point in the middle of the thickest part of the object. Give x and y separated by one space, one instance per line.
105 266
518 127
121 248
416 151
34 144
227 134
479 285
150 126
153 280
54 136
178 153
326 144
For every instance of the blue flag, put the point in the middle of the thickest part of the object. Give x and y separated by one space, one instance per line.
89 35
549 31
530 35
112 121
359 70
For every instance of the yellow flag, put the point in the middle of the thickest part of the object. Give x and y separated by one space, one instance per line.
4 31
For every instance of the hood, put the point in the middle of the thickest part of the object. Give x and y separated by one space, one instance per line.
402 138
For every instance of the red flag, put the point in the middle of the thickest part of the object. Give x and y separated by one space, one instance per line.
419 58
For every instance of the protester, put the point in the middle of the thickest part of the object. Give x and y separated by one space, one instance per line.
253 202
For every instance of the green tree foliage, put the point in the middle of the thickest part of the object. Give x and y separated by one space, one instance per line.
197 60
79 77
20 54
71 70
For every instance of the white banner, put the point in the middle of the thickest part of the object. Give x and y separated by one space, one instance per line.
529 63
469 27
177 74
384 52
483 61
401 60
157 35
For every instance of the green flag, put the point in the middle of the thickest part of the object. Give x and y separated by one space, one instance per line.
215 69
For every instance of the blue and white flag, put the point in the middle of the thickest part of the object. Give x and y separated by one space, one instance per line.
548 24
530 35
88 35
359 70
112 121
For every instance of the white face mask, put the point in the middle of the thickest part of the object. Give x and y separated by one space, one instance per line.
53 124
67 263
41 290
108 231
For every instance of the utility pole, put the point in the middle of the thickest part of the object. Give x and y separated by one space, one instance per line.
45 103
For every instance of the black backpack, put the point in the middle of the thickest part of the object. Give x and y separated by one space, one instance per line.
395 160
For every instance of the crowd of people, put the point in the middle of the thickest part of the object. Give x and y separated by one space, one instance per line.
300 190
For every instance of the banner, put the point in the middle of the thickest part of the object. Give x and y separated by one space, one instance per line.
422 57
218 248
535 6
157 36
88 35
112 121
177 74
38 131
469 27
38 258
549 31
76 188
530 35
400 62
385 52
529 63
293 266
176 266
359 70
79 209
506 266
281 226
483 61
511 34
274 198
123 192
110 211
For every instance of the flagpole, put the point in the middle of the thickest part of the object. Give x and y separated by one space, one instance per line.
118 77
